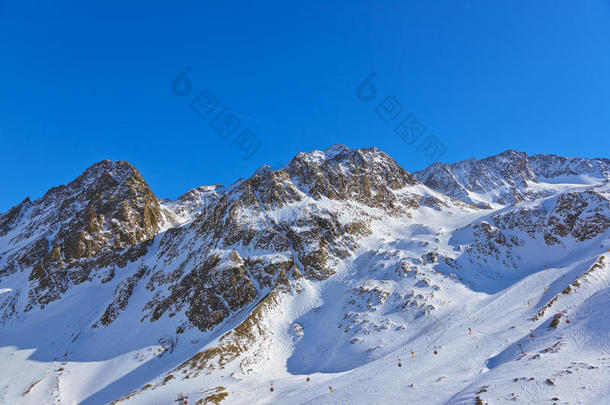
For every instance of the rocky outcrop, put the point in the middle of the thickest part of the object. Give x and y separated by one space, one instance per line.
568 218
581 215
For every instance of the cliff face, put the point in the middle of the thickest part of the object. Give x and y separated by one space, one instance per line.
105 215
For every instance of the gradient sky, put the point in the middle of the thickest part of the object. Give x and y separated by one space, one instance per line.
81 82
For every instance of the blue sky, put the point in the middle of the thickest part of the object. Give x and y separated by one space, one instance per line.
82 82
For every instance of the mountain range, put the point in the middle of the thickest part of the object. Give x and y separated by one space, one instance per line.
338 278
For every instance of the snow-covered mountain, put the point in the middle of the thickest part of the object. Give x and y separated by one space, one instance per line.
512 177
339 278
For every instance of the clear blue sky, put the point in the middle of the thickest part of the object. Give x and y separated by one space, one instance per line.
81 82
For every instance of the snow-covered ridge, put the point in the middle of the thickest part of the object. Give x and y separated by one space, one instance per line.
512 177
338 278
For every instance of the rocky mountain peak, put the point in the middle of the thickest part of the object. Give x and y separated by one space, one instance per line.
109 197
365 175
336 148
549 166
119 171
507 178
106 209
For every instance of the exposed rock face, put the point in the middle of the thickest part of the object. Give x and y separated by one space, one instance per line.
245 336
73 229
580 215
269 231
504 178
11 218
367 175
552 166
567 218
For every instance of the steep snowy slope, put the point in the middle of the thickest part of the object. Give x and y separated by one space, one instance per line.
339 278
